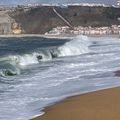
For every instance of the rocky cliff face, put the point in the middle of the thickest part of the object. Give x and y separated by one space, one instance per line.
8 25
5 23
42 19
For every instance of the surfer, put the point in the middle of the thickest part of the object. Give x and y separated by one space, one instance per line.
39 57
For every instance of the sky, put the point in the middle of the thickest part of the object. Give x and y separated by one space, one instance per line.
56 1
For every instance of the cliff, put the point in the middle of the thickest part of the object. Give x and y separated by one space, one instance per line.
41 19
5 23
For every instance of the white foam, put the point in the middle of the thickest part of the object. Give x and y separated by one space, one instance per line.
27 59
42 87
79 45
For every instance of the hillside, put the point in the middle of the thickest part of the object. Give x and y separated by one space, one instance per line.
38 20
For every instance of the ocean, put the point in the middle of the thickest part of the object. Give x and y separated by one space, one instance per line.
36 72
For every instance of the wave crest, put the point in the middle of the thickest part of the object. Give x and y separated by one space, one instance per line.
9 70
78 45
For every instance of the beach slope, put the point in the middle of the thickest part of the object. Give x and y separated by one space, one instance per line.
100 105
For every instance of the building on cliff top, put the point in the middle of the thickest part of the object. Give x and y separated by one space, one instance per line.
118 3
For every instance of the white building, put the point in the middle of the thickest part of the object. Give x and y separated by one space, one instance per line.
118 3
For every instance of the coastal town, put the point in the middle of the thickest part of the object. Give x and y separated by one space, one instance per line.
105 30
116 5
114 29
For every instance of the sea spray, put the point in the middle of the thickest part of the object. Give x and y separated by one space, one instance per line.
79 45
8 69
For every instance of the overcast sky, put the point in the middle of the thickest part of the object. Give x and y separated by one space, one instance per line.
56 1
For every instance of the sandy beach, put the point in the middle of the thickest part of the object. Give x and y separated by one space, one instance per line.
100 105
54 36
36 35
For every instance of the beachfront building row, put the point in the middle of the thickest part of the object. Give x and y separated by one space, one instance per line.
117 4
114 29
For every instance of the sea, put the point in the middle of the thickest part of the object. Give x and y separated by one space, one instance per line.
36 72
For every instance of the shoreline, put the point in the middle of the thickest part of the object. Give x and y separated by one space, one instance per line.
102 104
54 36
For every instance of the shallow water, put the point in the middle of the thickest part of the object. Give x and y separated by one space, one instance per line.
36 72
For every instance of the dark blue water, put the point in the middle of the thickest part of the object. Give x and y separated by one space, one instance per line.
26 45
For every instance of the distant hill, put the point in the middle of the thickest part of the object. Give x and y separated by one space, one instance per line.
38 20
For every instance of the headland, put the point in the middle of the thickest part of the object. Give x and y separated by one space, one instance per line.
60 19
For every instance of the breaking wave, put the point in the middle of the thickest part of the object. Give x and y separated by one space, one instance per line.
8 69
77 46
13 63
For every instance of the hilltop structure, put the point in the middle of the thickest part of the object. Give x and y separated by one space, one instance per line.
118 3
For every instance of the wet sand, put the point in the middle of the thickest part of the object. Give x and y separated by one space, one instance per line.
100 105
